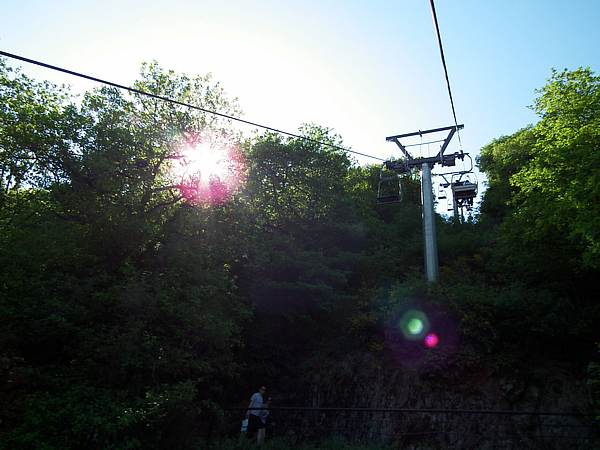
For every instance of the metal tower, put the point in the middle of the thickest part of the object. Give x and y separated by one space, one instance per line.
425 165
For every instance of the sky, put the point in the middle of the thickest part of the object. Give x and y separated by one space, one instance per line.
366 69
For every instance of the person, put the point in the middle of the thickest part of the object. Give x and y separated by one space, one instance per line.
253 413
263 414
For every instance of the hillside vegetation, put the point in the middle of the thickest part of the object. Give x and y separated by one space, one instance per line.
137 295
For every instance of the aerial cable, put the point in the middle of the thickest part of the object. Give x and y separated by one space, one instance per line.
439 38
187 105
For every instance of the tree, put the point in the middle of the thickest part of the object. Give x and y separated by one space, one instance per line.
558 187
301 241
543 197
303 222
500 161
392 233
562 175
116 292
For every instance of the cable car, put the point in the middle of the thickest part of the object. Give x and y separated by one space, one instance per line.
442 192
389 189
464 189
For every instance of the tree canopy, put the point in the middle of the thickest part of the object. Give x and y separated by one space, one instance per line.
108 291
546 173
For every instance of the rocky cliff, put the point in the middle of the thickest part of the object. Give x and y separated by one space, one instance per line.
466 406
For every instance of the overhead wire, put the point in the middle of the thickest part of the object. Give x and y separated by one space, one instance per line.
439 38
187 105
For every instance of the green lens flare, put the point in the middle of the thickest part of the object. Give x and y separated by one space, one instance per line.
414 325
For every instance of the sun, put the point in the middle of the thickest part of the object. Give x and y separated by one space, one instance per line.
208 171
204 161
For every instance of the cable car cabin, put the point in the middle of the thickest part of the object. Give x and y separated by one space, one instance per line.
389 190
464 190
441 193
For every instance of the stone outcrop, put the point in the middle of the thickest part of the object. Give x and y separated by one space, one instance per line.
470 407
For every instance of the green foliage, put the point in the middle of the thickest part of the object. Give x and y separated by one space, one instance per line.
392 242
513 327
303 234
533 320
131 308
550 171
301 240
500 160
543 196
34 129
125 320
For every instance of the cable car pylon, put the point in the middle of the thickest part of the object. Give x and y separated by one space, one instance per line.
425 165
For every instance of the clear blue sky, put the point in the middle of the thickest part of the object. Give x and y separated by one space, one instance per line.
367 69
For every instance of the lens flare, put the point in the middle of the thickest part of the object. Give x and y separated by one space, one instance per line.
418 329
431 340
414 325
208 171
204 159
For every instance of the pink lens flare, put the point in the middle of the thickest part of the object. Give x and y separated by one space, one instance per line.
431 340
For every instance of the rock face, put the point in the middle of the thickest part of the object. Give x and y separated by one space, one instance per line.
473 407
364 382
